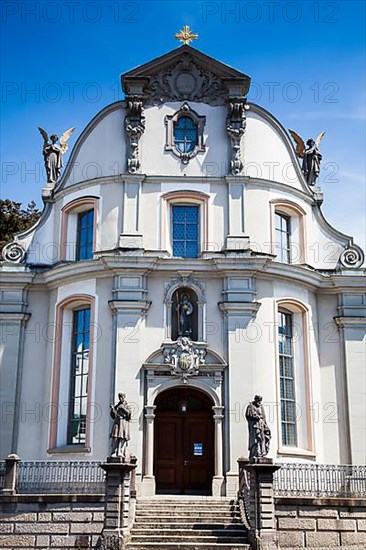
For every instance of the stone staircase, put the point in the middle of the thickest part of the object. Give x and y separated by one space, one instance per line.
188 523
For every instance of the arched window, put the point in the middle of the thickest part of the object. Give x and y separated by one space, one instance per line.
185 134
288 232
72 367
294 380
184 223
79 223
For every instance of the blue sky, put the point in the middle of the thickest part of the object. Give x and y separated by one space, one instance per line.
61 62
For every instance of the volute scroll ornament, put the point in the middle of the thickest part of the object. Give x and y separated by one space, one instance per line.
352 256
13 252
134 128
235 127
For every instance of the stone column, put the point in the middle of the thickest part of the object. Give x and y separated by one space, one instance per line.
117 499
218 479
149 478
262 532
11 474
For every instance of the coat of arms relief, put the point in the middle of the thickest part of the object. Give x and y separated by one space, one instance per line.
184 358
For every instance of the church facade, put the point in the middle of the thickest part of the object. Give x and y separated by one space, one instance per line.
183 259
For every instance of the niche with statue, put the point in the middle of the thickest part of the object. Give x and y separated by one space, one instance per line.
184 314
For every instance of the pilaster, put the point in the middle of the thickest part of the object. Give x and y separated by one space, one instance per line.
236 239
131 236
239 310
352 326
13 319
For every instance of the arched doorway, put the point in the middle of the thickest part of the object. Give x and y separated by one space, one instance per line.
183 442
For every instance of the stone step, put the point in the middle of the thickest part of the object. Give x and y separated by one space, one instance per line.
208 539
186 513
185 546
192 532
226 519
194 525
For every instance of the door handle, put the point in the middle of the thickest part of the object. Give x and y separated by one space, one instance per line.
186 462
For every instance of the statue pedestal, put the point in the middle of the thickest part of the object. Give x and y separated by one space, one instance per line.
47 191
262 533
118 489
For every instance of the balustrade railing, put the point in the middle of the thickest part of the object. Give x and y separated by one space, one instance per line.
320 480
60 477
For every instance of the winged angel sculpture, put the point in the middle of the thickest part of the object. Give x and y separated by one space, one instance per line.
52 153
310 154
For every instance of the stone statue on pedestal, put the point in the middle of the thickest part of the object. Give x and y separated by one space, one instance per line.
259 432
120 433
52 153
310 155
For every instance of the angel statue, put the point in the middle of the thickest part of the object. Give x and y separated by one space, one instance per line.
52 153
310 154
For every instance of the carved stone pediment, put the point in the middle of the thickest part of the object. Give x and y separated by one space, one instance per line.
185 74
185 358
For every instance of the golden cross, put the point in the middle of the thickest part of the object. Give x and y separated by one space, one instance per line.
186 35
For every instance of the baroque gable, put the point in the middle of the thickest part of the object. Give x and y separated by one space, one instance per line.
185 74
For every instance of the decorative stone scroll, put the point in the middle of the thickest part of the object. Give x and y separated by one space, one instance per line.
13 252
134 127
186 80
183 358
235 127
352 256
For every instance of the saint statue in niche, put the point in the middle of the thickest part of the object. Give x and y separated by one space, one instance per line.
184 311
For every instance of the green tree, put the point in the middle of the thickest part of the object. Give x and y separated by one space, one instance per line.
14 219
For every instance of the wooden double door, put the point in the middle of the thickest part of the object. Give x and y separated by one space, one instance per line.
184 442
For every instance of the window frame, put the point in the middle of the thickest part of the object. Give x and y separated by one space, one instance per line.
61 370
79 246
185 240
283 250
73 375
171 120
184 198
297 219
69 226
302 376
282 356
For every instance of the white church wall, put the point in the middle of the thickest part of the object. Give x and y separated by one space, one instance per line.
213 161
103 150
35 399
265 153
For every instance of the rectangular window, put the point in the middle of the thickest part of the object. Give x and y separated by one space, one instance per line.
85 235
287 379
79 376
283 231
185 222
